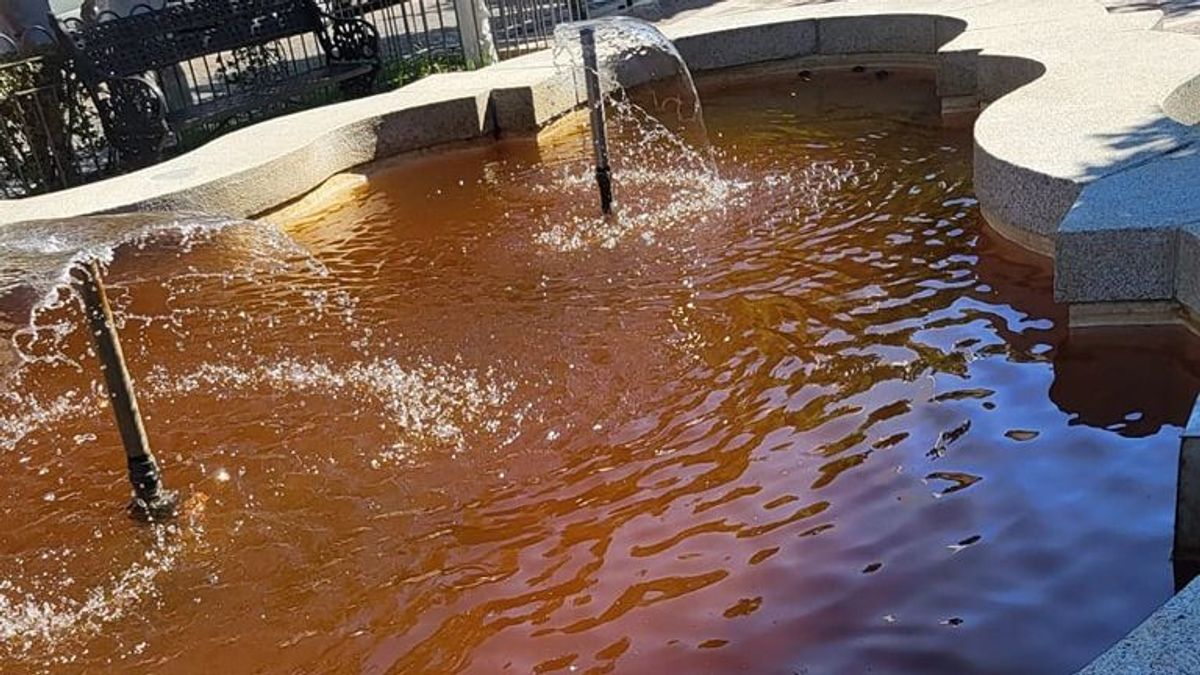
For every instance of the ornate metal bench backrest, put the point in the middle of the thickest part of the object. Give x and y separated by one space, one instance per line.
190 53
151 40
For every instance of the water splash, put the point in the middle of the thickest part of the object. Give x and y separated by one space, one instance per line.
31 413
429 404
46 616
631 54
664 167
172 276
38 258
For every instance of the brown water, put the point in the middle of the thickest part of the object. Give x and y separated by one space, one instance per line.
835 426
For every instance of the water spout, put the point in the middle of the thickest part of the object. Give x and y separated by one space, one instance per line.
591 77
151 502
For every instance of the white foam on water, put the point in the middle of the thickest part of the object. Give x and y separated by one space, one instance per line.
46 618
37 259
34 414
428 403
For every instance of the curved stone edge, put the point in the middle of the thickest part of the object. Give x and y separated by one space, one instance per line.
1167 643
980 51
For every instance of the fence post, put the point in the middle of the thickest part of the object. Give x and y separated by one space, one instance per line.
475 32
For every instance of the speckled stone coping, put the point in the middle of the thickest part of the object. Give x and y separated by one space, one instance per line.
1168 643
1084 150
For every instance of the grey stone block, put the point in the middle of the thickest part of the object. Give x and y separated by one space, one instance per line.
265 186
1187 268
1000 75
418 127
956 73
947 28
527 109
877 34
512 109
1187 492
1022 198
752 44
1115 265
1183 104
1167 643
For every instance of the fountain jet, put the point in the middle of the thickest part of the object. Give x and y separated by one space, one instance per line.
151 502
591 78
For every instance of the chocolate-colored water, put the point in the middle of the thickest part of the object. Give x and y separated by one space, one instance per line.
838 426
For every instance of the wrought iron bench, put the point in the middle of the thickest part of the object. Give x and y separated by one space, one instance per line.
158 74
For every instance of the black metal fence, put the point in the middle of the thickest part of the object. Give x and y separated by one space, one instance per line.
50 135
427 31
523 26
416 36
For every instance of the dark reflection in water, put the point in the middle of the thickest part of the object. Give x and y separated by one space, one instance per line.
809 418
1157 368
1130 380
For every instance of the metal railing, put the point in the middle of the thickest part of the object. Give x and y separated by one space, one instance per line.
523 26
50 134
415 36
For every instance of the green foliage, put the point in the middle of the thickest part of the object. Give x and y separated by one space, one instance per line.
194 137
401 72
50 135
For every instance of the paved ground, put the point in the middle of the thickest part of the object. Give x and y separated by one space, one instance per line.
1181 16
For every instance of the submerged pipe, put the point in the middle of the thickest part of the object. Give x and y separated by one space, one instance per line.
151 502
591 78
